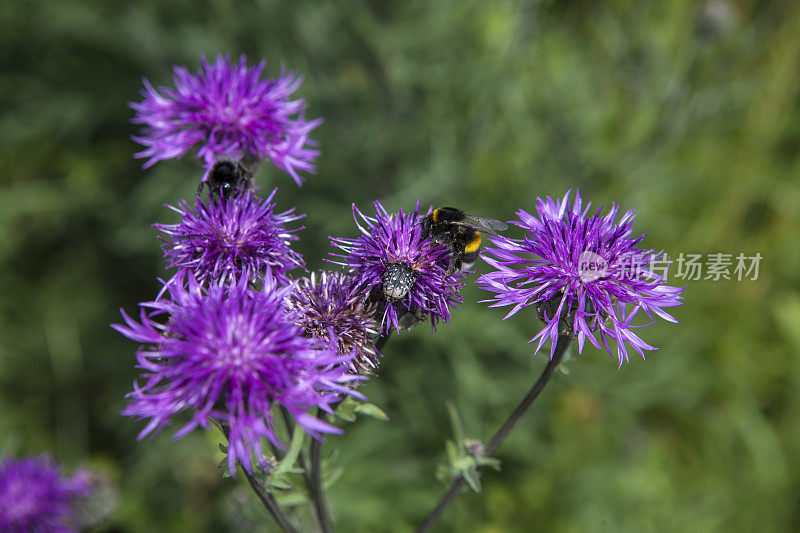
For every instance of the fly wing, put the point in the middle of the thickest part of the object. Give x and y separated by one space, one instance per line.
489 225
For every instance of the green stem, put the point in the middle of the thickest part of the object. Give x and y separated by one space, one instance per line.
381 342
270 503
313 494
267 499
315 487
501 435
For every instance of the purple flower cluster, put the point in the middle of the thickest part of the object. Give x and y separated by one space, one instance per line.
233 340
37 498
228 111
331 307
231 238
230 338
229 354
584 272
395 242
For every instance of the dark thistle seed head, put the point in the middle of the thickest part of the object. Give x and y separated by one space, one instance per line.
227 111
394 261
236 237
330 307
584 272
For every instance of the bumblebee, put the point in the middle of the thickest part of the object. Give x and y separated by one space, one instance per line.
227 179
461 232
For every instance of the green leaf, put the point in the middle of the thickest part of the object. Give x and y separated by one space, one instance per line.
328 462
287 463
332 477
369 409
444 473
463 463
292 499
223 465
346 410
455 420
453 453
471 476
491 462
279 482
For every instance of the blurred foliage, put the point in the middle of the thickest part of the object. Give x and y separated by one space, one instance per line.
687 111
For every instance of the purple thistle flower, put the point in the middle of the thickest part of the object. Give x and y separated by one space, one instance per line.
231 238
229 354
229 111
37 498
586 271
392 248
331 307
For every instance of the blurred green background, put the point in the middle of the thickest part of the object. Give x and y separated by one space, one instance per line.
687 111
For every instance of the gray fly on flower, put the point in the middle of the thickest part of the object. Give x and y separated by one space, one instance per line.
584 272
36 496
229 354
227 111
231 238
394 261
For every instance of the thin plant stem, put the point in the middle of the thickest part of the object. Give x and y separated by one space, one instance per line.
501 435
270 503
307 476
315 487
267 499
381 342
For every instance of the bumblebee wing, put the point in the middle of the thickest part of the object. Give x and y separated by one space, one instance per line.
489 225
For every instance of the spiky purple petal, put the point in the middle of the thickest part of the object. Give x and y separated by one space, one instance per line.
227 110
389 239
228 354
234 237
552 267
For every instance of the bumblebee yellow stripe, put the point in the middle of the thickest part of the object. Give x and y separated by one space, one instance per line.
435 215
474 244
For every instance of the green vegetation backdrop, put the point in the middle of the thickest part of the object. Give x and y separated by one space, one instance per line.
687 111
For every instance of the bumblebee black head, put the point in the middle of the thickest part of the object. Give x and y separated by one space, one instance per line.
227 179
428 222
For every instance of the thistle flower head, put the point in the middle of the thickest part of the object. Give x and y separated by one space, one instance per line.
237 237
331 307
227 110
584 272
229 354
37 497
394 260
